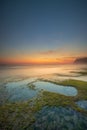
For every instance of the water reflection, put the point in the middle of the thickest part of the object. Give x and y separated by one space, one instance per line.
18 91
82 104
16 78
39 70
68 91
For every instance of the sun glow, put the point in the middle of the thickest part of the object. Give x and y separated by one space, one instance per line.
36 60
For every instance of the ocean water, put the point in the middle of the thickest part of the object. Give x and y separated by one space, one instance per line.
14 80
18 72
22 83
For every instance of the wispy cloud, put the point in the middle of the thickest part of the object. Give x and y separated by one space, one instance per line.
48 52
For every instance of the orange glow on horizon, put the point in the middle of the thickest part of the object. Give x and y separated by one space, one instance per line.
37 61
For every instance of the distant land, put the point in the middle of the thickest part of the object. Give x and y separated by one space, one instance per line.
82 60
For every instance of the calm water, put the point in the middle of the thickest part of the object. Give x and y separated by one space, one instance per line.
24 71
68 91
14 87
14 80
82 104
18 91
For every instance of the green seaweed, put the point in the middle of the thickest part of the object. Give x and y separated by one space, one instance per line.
31 86
21 115
81 73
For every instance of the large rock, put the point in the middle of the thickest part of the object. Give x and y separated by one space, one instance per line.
81 60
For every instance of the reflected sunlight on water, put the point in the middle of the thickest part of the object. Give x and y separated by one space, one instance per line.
38 70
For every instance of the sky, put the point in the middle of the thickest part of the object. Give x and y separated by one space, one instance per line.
42 31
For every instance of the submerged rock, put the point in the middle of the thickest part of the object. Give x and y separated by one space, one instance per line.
59 118
82 104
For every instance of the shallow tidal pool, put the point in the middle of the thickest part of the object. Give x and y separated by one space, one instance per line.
43 98
82 104
20 91
47 86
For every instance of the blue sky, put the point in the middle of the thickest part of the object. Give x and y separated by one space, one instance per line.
29 26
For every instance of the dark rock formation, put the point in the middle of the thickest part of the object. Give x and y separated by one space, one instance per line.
81 60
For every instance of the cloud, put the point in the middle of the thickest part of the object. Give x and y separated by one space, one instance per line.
48 52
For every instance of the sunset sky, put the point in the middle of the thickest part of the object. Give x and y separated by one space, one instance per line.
42 31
